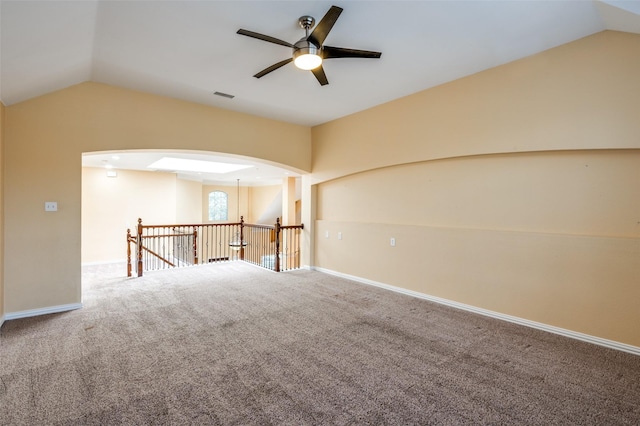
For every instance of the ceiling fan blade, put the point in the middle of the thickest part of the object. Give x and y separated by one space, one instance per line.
264 37
273 68
329 52
321 30
320 75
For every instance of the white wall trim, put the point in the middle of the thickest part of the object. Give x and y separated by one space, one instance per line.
1 320
533 324
42 311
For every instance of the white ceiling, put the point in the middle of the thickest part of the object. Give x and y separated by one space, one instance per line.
190 49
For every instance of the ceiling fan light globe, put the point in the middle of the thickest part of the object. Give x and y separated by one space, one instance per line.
308 61
306 55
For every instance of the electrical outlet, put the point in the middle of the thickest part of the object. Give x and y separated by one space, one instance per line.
326 234
339 235
50 206
392 242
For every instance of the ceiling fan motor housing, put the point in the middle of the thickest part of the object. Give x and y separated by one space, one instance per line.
305 47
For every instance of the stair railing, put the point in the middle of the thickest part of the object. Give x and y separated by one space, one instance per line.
274 247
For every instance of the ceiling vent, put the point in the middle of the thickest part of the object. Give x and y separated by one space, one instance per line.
224 95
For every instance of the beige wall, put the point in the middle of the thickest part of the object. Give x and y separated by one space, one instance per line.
582 95
44 139
544 228
567 192
549 237
1 213
188 201
261 198
110 206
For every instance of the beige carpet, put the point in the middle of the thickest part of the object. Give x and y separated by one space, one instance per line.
234 344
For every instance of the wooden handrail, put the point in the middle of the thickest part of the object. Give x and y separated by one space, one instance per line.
165 235
187 225
301 226
259 226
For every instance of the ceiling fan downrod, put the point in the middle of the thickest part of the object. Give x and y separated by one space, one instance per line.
306 23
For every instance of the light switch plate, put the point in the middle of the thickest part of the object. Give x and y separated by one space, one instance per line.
50 206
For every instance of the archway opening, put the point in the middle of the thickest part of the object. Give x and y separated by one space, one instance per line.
118 187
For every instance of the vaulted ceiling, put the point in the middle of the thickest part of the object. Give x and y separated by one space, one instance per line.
190 49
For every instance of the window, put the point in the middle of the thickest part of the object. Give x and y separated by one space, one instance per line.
218 205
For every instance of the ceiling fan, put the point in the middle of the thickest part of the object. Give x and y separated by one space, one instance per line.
309 51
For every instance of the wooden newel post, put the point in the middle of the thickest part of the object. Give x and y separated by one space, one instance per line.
139 246
195 246
241 238
278 245
128 252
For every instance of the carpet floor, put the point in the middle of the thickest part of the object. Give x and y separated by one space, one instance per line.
232 344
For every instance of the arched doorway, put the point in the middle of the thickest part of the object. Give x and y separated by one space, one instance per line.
173 187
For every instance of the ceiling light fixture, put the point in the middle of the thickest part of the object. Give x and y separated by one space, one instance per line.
306 55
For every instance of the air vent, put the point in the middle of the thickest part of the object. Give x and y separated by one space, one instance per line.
224 95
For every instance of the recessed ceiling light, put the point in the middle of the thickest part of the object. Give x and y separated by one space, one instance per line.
185 165
115 157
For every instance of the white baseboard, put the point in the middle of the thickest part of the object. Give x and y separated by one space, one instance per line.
42 311
538 325
1 321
